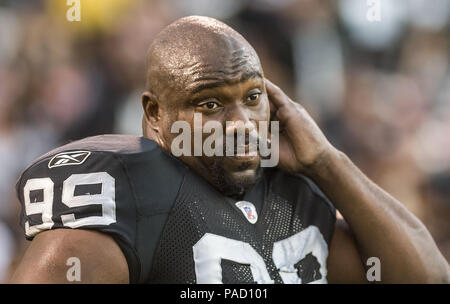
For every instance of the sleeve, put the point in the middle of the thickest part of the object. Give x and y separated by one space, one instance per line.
81 190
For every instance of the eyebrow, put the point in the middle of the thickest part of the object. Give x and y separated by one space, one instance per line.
212 85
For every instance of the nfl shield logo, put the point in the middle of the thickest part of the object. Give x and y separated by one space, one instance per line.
249 211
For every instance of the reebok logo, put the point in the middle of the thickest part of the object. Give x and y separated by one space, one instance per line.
68 158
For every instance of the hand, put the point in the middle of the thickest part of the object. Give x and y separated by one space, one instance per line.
302 144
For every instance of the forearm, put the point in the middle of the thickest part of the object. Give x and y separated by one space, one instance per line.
382 226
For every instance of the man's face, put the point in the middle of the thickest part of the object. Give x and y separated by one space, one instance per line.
225 90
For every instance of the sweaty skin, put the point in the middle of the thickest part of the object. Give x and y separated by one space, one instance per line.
199 64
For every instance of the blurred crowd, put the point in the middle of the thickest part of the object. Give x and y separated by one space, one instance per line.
380 90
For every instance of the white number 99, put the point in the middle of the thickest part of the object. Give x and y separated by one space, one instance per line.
106 198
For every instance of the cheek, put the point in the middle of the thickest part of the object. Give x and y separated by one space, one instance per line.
266 107
172 116
262 111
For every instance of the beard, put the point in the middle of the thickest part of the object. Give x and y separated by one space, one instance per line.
229 184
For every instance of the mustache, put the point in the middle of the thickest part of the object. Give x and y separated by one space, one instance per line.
252 140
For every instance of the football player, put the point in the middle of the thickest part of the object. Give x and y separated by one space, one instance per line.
131 212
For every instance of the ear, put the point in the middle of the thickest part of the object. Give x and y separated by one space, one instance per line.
151 119
151 110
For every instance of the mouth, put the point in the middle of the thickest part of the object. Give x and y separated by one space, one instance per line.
244 158
247 148
243 161
244 152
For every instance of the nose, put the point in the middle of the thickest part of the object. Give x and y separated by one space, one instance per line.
240 132
238 120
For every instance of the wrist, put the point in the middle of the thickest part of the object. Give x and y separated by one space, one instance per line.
325 163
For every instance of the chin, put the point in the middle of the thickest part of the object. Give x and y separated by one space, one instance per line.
229 175
235 182
244 177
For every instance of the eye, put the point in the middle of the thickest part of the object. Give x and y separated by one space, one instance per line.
253 98
210 105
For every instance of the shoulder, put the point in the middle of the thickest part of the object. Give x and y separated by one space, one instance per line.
98 160
121 156
81 184
111 143
98 182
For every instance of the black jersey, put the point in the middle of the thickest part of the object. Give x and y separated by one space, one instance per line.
173 226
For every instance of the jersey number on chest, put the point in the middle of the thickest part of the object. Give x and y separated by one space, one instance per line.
286 255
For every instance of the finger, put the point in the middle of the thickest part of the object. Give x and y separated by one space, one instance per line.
273 108
276 96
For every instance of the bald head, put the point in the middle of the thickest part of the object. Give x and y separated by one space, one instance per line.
194 49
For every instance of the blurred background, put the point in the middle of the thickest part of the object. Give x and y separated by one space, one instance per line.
380 90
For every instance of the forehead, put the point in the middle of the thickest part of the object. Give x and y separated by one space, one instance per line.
211 69
204 78
186 57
